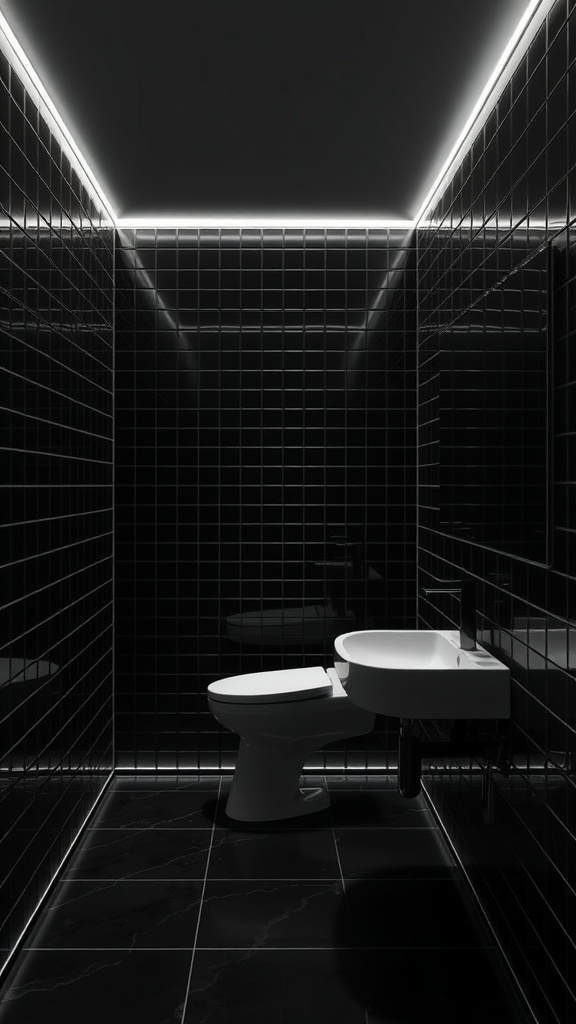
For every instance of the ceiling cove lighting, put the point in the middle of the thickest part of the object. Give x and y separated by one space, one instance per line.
525 30
24 69
513 52
194 769
289 223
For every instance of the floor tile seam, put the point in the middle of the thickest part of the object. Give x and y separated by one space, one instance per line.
365 949
331 948
304 880
104 949
317 828
135 949
294 878
199 918
330 878
151 878
387 828
151 828
335 841
274 830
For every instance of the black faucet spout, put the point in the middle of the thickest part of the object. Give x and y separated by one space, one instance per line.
468 615
467 592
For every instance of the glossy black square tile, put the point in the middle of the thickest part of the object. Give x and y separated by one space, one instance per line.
405 912
144 853
113 984
441 986
300 853
251 986
134 809
260 914
120 915
387 808
322 820
395 853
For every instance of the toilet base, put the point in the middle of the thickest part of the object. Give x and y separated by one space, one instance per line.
266 784
307 801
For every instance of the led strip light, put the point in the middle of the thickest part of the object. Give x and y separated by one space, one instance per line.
284 223
512 54
33 84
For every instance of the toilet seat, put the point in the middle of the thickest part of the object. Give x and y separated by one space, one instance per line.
272 687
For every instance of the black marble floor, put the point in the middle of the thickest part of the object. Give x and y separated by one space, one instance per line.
170 913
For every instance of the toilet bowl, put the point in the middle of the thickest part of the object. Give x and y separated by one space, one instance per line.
282 718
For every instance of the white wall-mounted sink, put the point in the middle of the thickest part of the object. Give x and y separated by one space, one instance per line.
421 674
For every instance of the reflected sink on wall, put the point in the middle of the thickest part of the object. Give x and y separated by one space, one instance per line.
531 648
421 674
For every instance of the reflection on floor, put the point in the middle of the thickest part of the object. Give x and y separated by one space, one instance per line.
171 912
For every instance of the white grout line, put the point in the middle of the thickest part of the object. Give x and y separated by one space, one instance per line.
239 949
188 983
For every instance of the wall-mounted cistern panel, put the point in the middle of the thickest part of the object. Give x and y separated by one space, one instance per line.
421 674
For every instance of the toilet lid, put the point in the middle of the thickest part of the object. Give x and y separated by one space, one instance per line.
272 687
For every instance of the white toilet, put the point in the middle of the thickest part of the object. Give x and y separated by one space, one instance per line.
282 718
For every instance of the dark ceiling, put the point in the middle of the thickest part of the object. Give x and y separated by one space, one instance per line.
264 107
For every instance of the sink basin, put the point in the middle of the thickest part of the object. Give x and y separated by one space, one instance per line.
421 674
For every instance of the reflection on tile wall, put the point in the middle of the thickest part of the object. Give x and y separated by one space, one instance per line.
56 523
508 207
265 397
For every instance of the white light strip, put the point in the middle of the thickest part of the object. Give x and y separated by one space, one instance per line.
15 950
481 108
479 112
264 222
382 769
24 68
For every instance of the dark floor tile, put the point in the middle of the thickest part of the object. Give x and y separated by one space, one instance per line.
377 809
316 820
161 809
438 986
259 914
274 854
366 783
148 853
389 913
95 986
308 986
164 781
101 915
394 853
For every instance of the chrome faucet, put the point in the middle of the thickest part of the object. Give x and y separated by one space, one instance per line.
467 591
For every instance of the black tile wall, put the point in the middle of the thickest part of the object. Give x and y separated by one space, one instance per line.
56 332
509 208
265 399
